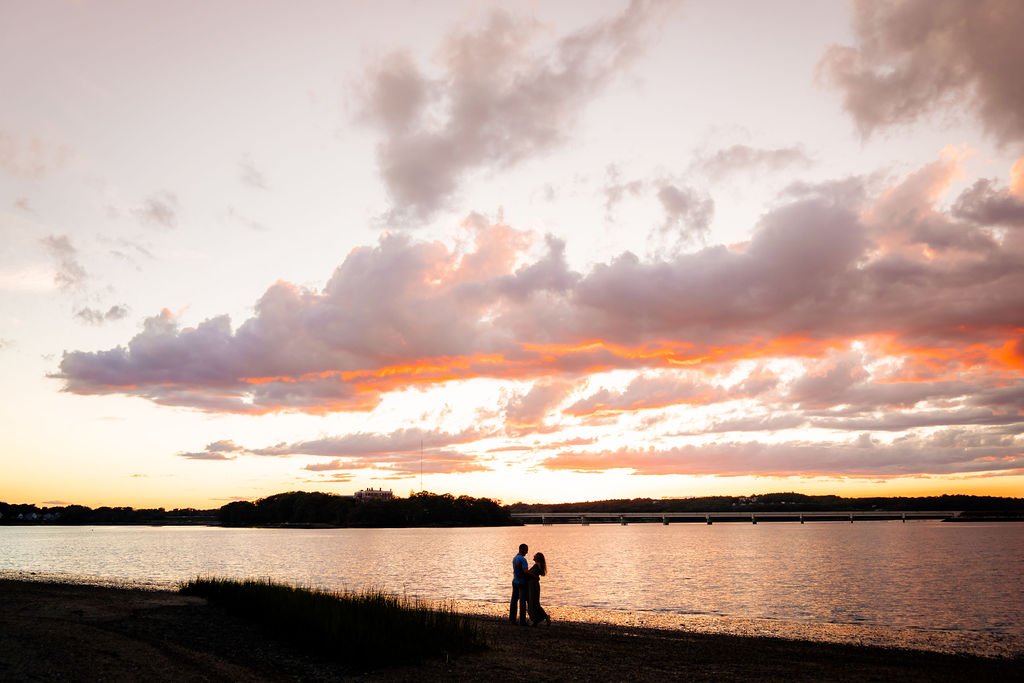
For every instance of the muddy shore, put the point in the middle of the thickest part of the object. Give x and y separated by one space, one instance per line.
52 631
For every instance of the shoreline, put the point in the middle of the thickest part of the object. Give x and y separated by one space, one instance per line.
968 643
768 517
983 644
77 631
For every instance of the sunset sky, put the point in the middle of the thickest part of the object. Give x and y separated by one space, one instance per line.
545 251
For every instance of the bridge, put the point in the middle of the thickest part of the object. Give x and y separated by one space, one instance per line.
625 518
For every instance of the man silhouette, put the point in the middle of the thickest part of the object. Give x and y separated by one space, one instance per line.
520 586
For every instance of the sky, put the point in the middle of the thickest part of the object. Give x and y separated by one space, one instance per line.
533 251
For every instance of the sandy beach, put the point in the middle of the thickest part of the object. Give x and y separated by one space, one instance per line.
53 631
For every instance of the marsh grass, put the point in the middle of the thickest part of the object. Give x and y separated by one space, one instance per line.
371 627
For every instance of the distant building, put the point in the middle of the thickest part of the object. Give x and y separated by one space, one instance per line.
374 494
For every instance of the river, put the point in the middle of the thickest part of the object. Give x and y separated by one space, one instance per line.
960 585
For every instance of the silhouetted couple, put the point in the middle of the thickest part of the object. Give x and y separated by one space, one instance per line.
526 589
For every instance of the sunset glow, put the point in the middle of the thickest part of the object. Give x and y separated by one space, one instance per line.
538 252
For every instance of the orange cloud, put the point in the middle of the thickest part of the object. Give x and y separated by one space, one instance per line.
1017 178
1004 354
812 278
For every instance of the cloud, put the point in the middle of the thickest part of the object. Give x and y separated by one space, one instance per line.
1017 178
688 214
906 212
738 158
218 450
903 421
802 260
949 452
71 277
95 316
70 274
401 453
495 104
1008 396
616 189
983 203
403 442
687 211
436 462
566 443
647 392
159 210
751 423
250 175
335 478
821 269
827 384
367 324
248 222
30 158
325 466
206 455
224 446
916 56
126 249
841 379
525 412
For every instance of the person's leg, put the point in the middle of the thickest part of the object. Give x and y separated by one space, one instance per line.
542 614
524 596
534 601
513 604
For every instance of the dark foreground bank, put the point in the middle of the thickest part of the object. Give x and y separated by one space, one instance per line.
75 632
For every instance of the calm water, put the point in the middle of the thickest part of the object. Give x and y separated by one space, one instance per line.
926 576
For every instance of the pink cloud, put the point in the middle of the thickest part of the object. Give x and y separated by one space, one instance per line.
645 393
403 442
496 103
827 266
945 453
985 203
526 412
915 56
401 453
738 158
218 450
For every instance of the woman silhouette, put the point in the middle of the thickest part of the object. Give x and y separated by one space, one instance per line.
539 569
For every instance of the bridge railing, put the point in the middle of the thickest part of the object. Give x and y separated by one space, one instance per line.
589 517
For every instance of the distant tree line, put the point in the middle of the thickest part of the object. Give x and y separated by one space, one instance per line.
782 502
80 514
298 508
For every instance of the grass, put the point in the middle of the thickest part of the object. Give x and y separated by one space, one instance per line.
369 628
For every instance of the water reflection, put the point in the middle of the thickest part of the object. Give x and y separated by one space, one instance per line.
955 580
